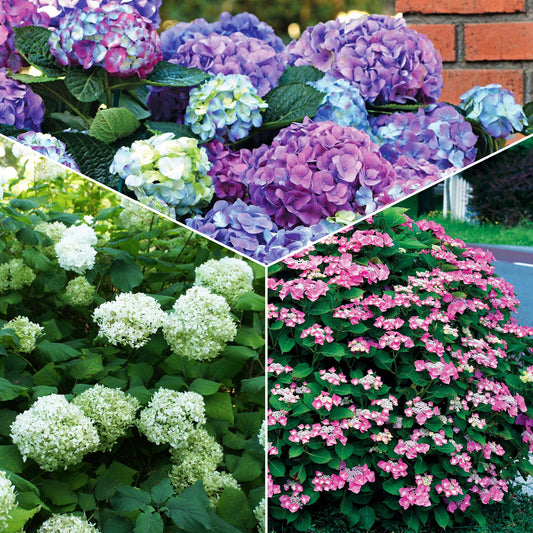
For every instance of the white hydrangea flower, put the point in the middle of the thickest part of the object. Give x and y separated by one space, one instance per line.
15 274
67 523
262 435
54 433
260 515
112 411
129 319
200 325
195 458
215 483
26 331
54 230
134 216
172 416
8 500
75 249
79 292
229 277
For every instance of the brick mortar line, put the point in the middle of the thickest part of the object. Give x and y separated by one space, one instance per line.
477 18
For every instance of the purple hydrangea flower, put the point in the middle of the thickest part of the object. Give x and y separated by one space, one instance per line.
314 169
228 170
113 36
380 55
58 9
49 146
19 105
438 134
245 23
495 109
168 104
14 13
243 227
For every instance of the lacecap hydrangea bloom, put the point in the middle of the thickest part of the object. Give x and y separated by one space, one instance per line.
194 459
169 168
54 433
26 331
49 146
19 105
75 249
200 325
67 523
8 500
79 292
15 274
380 55
312 170
130 319
113 36
112 411
171 417
495 109
225 107
229 277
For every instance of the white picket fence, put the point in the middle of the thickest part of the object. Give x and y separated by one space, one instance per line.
457 192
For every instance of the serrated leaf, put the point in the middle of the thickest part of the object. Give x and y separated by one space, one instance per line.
112 124
86 85
205 387
129 499
250 301
10 459
162 492
149 523
442 517
8 391
168 74
29 79
179 130
32 43
56 351
218 406
134 106
290 103
233 507
189 509
300 74
18 518
125 276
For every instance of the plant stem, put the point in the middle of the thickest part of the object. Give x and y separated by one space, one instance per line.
87 120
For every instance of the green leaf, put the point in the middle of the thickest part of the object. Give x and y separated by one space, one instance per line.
93 156
29 236
8 391
286 343
36 260
112 124
248 467
219 407
10 459
238 353
86 85
18 518
128 499
233 507
250 301
189 510
253 385
130 103
290 103
168 74
249 337
162 492
125 276
205 387
179 130
117 524
441 516
367 517
57 492
32 43
86 368
320 456
23 204
56 351
300 74
149 523
71 121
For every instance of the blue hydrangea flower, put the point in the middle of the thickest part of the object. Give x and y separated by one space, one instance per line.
224 107
495 109
47 145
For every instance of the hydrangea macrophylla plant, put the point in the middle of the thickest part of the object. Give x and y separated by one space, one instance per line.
48 145
396 379
113 36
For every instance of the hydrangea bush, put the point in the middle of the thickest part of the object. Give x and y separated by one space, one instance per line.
100 412
351 108
400 384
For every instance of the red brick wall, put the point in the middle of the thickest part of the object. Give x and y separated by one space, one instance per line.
481 42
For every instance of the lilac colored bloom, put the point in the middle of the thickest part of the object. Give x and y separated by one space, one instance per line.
168 104
438 134
245 23
58 9
49 146
243 227
233 54
495 109
113 36
19 105
227 171
313 170
380 55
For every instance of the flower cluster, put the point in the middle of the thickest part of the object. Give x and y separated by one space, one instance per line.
113 36
111 410
225 107
54 433
229 277
171 417
67 523
75 249
130 319
79 292
48 145
15 274
169 168
381 56
8 501
200 324
495 109
26 331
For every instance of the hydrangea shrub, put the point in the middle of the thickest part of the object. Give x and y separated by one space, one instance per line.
400 384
